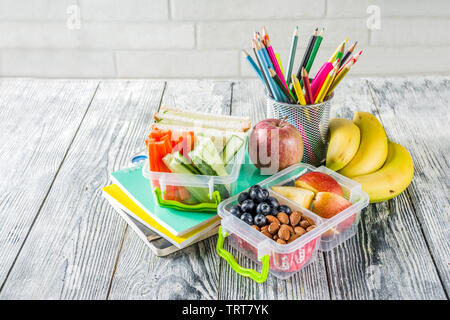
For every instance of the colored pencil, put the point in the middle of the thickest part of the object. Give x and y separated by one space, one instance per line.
314 51
340 52
265 34
277 55
339 77
298 90
291 56
272 85
326 85
273 58
354 59
253 64
280 84
308 52
278 93
320 78
333 57
348 53
269 91
308 93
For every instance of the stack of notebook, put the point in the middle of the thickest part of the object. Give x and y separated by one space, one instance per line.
164 230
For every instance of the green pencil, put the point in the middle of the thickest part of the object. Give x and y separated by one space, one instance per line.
313 53
291 56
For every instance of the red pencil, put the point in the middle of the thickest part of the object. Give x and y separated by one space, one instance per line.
307 86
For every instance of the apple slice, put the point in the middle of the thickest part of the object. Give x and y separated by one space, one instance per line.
301 196
319 182
328 204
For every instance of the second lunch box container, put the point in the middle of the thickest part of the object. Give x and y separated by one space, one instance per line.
284 260
211 188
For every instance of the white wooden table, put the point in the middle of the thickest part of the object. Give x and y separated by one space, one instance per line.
59 239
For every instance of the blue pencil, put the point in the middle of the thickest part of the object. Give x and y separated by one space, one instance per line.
272 84
253 65
265 54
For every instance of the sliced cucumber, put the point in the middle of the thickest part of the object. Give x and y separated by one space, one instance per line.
231 148
179 164
205 151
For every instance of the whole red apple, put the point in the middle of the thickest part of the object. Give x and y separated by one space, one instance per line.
274 145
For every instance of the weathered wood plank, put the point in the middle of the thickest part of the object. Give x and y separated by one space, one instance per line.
388 258
38 120
311 283
72 248
416 114
191 273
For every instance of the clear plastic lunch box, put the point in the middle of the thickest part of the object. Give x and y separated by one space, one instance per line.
284 260
163 180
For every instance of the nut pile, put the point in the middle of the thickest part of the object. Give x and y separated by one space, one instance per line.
285 228
265 214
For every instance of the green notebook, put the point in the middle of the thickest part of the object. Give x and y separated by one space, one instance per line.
138 188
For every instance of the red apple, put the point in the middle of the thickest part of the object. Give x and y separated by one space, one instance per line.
274 145
318 182
327 204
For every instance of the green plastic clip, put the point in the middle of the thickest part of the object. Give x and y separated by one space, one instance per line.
199 207
250 273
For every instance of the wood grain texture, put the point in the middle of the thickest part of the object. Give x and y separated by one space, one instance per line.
310 283
193 272
388 258
416 114
38 120
72 248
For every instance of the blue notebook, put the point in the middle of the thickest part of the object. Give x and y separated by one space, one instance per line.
138 188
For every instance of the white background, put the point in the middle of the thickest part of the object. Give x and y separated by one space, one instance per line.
204 38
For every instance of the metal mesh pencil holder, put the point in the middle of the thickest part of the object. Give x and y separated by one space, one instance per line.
312 122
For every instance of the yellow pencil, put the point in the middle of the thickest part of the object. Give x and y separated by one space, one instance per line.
342 45
298 90
326 85
340 76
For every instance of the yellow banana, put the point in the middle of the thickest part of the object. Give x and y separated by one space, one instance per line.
344 143
394 177
372 151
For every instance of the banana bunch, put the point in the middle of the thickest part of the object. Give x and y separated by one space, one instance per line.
360 150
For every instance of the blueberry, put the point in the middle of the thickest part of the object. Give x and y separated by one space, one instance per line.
274 211
236 211
247 218
262 194
253 194
248 206
263 208
255 187
243 196
260 220
273 202
285 209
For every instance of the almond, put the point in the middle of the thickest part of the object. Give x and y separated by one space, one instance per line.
310 228
293 237
256 227
275 237
267 234
284 233
311 221
281 241
299 230
270 219
291 230
304 224
273 227
283 217
294 218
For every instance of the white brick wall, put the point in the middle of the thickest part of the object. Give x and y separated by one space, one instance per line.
203 38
